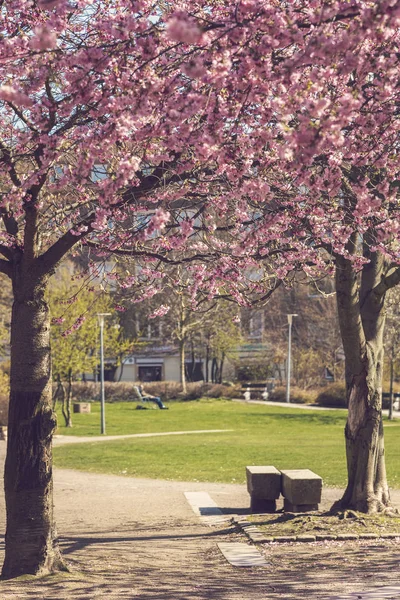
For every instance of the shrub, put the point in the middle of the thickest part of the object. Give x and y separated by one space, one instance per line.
218 390
254 370
297 395
172 390
333 395
121 391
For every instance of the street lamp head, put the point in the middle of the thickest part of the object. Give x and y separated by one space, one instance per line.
101 316
290 317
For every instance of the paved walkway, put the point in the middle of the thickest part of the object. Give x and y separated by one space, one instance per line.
129 538
60 440
396 413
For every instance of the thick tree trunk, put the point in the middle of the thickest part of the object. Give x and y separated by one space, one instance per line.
31 539
361 318
367 488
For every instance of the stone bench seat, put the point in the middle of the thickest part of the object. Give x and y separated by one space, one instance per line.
301 489
264 487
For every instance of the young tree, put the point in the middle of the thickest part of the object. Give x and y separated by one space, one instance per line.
220 338
316 335
75 332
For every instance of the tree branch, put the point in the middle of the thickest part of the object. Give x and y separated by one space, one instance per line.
6 252
5 268
50 259
389 281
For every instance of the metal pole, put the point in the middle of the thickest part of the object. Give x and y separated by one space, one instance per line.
391 388
289 357
102 394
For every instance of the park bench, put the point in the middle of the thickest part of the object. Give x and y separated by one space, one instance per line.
301 489
259 390
386 401
81 407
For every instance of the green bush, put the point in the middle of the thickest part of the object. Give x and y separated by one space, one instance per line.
297 395
333 395
252 370
218 390
121 391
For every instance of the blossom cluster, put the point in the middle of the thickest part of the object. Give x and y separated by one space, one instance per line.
249 139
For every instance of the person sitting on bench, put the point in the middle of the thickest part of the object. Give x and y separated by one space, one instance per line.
142 395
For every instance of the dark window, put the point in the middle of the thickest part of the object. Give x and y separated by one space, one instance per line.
150 373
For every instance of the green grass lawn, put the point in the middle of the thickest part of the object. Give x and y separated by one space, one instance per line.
288 438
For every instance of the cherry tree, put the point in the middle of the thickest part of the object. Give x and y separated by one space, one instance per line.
83 146
304 112
248 141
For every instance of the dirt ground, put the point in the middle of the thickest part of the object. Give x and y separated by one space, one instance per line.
140 539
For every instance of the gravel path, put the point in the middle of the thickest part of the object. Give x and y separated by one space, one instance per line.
139 539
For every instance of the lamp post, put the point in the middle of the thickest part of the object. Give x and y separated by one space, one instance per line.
289 357
101 317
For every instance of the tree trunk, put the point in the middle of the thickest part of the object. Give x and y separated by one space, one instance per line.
214 369
221 366
63 402
207 362
68 419
361 318
391 399
58 392
182 365
31 539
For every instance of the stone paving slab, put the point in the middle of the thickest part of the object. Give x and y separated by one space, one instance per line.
242 555
204 506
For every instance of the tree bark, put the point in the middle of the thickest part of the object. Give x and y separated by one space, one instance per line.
221 367
207 362
67 401
31 538
361 318
391 399
214 370
182 365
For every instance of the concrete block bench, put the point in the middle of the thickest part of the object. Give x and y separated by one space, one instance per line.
301 489
264 487
81 407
